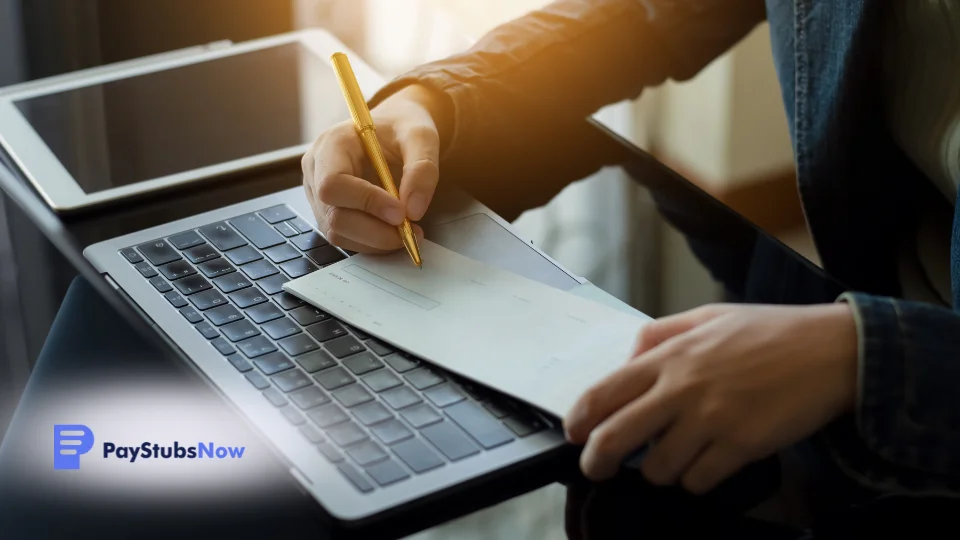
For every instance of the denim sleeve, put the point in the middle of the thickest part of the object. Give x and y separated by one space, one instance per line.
906 428
522 82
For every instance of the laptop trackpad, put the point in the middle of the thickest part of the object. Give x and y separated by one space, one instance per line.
481 238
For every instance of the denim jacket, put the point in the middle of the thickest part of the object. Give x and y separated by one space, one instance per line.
858 189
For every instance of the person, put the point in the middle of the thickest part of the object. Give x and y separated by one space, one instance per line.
872 98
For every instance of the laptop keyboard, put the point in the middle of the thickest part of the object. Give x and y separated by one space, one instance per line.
380 415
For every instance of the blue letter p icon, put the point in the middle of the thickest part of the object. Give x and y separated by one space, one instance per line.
70 441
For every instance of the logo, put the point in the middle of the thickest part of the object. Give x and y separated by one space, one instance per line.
70 441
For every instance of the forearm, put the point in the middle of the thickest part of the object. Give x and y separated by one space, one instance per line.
907 422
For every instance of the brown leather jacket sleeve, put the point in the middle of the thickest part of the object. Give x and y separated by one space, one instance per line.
532 78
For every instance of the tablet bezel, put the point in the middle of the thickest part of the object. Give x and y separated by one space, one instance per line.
60 190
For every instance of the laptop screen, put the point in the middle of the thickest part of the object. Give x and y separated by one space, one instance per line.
177 120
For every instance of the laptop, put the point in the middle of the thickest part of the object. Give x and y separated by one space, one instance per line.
364 428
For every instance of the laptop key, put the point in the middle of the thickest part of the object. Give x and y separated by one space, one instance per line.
479 424
273 363
328 415
330 452
379 347
400 363
298 267
256 231
291 380
257 380
366 452
186 240
158 252
352 395
222 236
293 416
177 269
201 254
423 378
208 299
243 255
308 315
449 440
346 433
240 363
273 284
387 472
308 241
392 431
325 255
355 477
362 363
282 253
276 214
312 433
250 296
224 314
191 314
417 455
175 299
240 330
259 269
444 395
309 397
222 346
301 225
496 408
281 328
206 330
420 415
256 346
146 270
286 229
191 284
315 361
348 345
297 345
161 284
288 301
401 397
265 312
334 378
232 282
381 380
371 413
327 330
132 256
274 396
217 267
523 426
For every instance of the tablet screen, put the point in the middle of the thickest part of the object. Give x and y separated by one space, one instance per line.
177 120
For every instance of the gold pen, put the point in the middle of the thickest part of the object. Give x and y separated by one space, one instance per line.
368 134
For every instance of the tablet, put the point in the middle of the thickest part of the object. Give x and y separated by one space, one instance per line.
110 134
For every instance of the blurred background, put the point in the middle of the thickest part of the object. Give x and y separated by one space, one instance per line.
725 131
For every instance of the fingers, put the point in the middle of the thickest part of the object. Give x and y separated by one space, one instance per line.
350 192
714 465
675 451
613 392
345 226
660 330
623 432
420 147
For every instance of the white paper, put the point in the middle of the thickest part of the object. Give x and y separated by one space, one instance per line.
523 338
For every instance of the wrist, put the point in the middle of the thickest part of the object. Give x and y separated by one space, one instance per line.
842 327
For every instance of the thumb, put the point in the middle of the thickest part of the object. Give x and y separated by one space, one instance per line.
420 148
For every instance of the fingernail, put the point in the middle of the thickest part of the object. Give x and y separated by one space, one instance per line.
393 215
416 206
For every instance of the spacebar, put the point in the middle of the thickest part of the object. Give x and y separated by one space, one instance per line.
476 421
